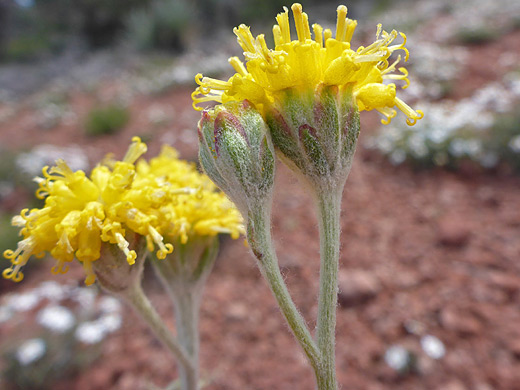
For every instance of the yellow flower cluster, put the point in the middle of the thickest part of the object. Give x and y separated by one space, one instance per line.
306 63
120 199
192 206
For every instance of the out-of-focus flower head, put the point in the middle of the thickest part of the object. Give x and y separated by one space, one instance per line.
186 202
117 205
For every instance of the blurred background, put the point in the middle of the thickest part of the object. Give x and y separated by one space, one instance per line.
430 271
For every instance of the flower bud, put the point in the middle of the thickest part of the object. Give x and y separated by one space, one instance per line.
235 151
315 131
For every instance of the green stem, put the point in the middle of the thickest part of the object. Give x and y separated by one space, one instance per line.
260 241
329 209
183 275
144 308
187 306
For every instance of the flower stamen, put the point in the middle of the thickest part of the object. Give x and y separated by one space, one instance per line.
403 76
237 65
318 34
301 29
245 38
136 150
389 114
351 27
327 34
123 245
164 249
283 21
341 24
413 116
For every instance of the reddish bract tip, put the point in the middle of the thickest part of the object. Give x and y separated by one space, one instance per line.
225 118
278 117
205 117
246 104
310 129
217 129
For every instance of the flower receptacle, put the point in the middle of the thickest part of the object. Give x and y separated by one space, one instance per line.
112 270
189 265
315 131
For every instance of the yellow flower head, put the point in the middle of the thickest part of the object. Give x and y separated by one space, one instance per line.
308 63
114 205
194 206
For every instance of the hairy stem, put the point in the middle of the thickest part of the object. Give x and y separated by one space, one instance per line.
329 208
260 241
187 305
138 300
183 275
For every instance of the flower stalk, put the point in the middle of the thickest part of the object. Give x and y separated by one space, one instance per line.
329 210
260 240
183 275
141 304
187 308
123 280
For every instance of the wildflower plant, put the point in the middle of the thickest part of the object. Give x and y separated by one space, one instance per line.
112 219
301 99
